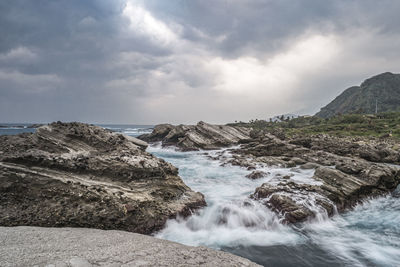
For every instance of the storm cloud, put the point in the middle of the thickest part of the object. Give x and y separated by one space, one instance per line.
181 61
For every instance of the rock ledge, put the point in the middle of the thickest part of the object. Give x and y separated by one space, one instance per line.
60 247
79 175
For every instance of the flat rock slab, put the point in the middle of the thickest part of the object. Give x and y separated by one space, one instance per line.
79 247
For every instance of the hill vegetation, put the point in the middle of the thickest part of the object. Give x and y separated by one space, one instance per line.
380 125
381 91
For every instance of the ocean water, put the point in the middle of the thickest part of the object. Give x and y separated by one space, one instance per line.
368 235
15 128
129 129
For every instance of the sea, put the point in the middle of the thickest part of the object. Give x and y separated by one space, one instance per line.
368 235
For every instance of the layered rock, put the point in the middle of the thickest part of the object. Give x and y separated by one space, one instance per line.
74 174
194 137
343 176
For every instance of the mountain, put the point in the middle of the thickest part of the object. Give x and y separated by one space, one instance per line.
382 90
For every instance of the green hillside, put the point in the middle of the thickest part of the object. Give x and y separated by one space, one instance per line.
382 91
379 125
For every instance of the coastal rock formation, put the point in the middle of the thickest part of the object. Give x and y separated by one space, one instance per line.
78 247
194 137
344 174
79 175
370 150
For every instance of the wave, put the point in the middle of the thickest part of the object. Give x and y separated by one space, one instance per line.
368 235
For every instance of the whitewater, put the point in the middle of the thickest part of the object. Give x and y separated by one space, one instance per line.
368 235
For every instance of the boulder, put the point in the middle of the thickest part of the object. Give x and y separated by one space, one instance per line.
257 175
294 202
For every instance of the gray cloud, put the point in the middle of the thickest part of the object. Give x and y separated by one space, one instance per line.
152 61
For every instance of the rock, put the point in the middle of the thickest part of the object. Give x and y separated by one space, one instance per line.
257 175
137 142
371 150
159 132
79 175
38 246
396 193
36 125
201 136
79 262
344 174
338 191
309 165
292 212
347 190
289 200
290 164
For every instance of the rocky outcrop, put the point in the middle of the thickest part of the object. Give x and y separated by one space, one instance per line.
74 174
78 247
343 176
194 137
369 149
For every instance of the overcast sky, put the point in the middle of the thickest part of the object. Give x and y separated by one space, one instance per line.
181 61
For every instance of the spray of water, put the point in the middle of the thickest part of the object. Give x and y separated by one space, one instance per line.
367 236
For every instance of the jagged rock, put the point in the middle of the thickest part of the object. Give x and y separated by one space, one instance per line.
347 190
293 212
346 174
372 150
74 174
338 189
309 165
293 201
201 136
257 175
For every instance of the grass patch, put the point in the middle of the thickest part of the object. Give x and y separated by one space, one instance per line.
368 125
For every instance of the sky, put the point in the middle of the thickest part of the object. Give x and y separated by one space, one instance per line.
182 61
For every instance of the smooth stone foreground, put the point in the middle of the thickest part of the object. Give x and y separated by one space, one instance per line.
80 247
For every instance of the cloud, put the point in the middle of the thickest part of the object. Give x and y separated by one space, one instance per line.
143 23
136 61
19 55
277 74
27 84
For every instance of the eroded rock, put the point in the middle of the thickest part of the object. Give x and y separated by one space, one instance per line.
194 137
344 175
74 174
257 175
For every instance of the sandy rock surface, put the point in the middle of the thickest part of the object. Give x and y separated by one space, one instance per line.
79 247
